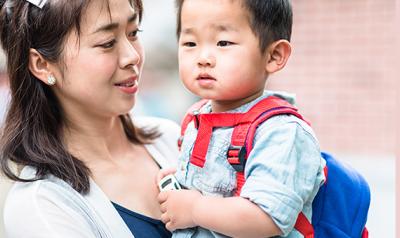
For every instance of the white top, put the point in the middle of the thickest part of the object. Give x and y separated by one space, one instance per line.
51 208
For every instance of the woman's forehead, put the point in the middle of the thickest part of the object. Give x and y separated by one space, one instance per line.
102 12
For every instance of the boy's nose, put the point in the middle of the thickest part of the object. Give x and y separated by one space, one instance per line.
206 59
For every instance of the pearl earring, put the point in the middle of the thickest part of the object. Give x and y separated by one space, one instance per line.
51 80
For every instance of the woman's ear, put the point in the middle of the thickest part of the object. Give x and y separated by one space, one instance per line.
40 67
278 54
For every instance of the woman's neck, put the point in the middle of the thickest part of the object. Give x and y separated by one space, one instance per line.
95 140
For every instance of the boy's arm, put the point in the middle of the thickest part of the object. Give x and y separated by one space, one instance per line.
233 216
284 170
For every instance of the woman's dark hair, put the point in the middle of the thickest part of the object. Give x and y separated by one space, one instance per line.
33 130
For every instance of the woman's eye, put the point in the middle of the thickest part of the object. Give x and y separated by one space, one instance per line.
224 43
189 44
108 44
134 33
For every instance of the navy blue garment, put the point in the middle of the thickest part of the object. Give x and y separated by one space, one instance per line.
142 226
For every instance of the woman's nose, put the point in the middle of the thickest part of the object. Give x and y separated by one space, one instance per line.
130 53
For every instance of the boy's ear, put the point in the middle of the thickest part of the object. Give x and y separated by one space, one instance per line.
39 66
278 54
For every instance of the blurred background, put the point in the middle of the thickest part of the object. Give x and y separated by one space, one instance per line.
342 69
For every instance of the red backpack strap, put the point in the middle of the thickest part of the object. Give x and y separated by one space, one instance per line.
239 150
207 122
189 116
365 233
281 107
242 143
303 226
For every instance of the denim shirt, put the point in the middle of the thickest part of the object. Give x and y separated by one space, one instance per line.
283 172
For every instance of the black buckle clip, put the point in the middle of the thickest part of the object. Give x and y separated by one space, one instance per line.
238 162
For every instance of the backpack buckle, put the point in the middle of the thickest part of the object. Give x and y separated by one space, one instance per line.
196 121
180 140
236 156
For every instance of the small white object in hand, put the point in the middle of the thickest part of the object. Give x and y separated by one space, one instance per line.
169 182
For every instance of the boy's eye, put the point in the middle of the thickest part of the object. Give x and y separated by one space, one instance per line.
224 43
189 44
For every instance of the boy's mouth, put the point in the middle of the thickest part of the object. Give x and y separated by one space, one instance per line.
205 76
205 80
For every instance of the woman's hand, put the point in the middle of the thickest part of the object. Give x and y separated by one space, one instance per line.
177 208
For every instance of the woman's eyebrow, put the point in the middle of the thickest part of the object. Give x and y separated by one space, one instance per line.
113 25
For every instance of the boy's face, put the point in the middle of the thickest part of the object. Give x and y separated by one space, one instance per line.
219 55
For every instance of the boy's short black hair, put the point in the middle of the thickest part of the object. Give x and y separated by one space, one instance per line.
270 20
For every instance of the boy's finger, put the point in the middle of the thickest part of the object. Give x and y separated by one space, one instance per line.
163 207
162 196
164 218
169 226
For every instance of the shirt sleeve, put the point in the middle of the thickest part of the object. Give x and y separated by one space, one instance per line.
29 212
284 169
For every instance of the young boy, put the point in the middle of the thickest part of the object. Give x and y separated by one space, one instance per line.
227 50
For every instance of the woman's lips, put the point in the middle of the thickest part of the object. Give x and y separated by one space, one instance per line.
128 86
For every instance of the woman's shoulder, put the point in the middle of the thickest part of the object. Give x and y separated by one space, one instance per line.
168 129
165 126
44 208
31 189
31 195
28 204
164 149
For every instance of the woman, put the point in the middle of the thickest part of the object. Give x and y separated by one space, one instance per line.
88 171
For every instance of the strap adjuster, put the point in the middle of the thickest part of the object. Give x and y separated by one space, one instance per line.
196 120
180 140
236 156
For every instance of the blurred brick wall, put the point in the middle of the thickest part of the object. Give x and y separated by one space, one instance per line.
342 69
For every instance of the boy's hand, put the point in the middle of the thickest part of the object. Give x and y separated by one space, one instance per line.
177 207
167 181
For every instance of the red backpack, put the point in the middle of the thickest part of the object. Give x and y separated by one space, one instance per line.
329 219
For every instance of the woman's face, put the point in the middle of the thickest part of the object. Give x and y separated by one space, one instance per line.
100 70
